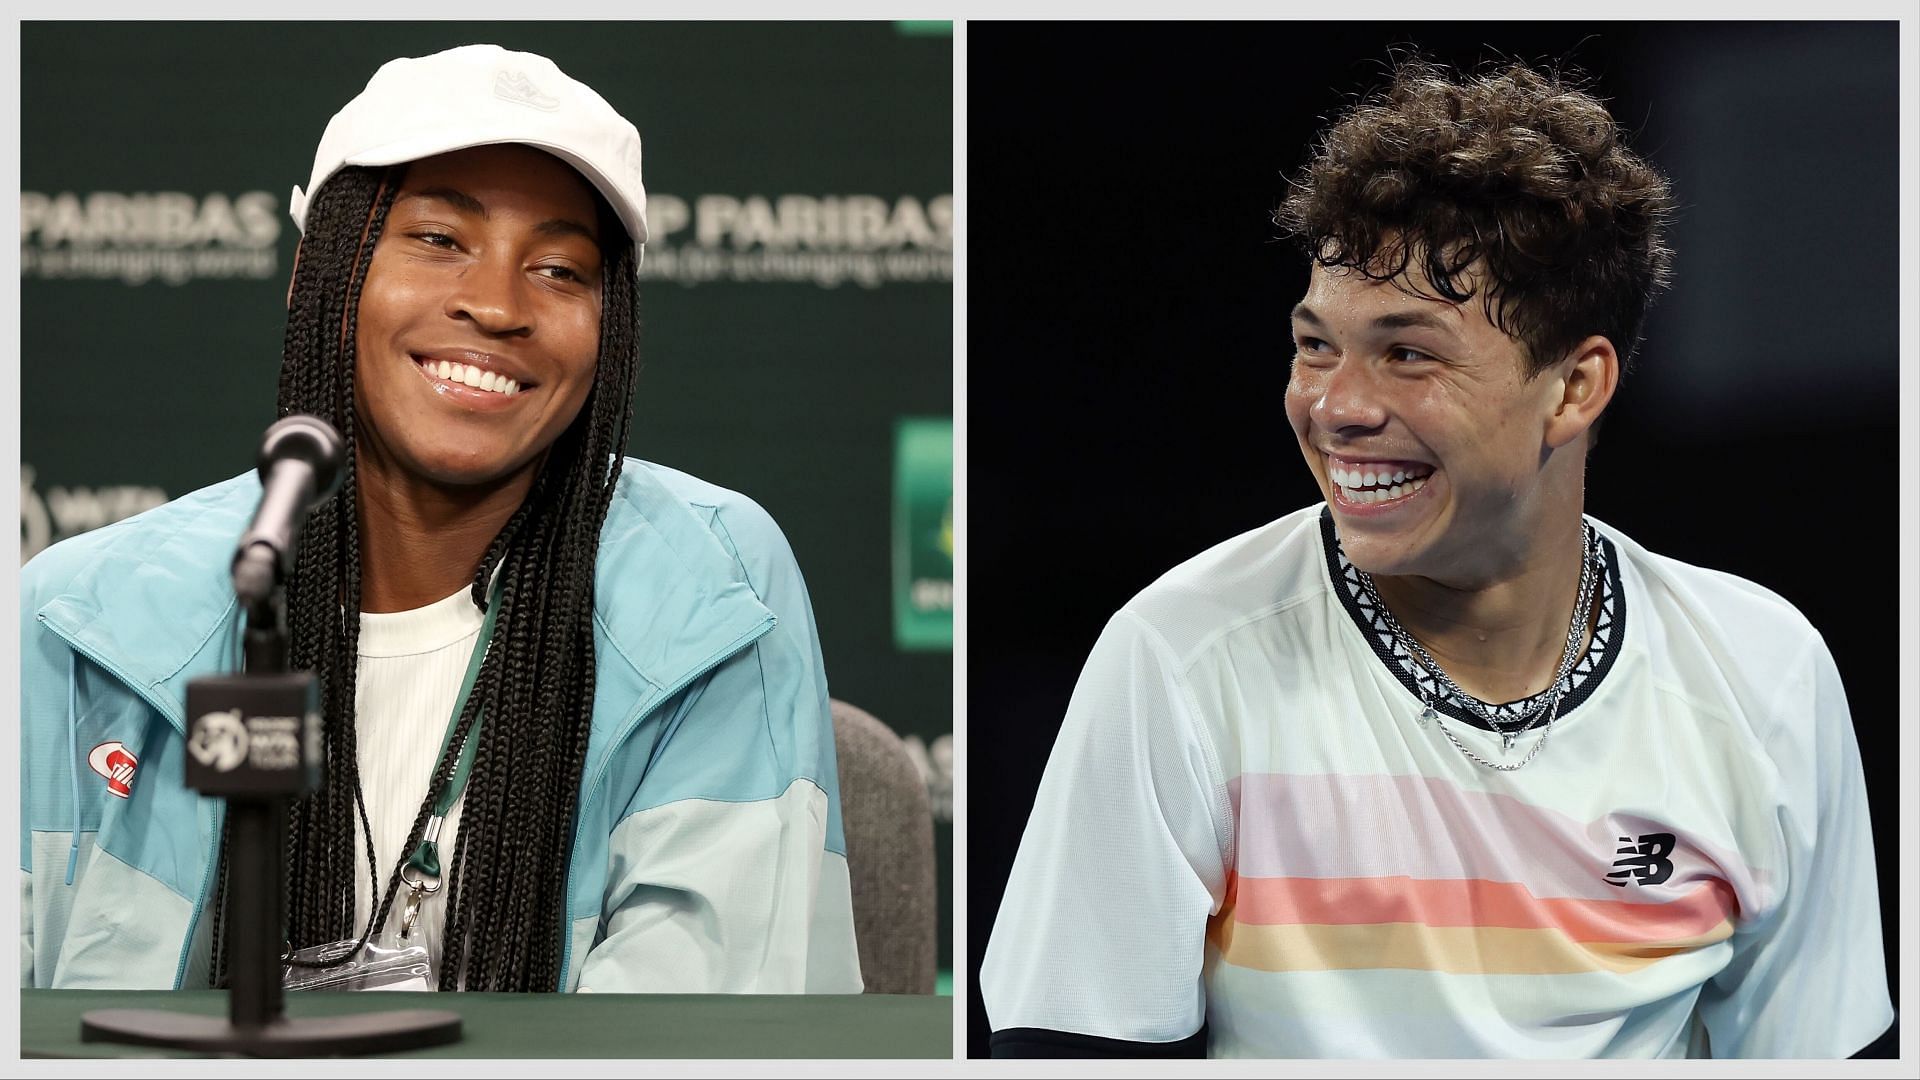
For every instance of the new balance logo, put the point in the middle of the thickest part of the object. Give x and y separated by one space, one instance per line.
515 86
1644 862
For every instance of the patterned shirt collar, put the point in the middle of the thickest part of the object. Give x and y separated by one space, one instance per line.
1587 672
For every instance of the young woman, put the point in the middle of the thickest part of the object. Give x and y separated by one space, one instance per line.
650 802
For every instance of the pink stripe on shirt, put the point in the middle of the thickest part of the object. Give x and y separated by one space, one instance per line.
1412 827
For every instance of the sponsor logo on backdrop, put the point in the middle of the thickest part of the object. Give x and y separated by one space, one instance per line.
137 237
923 541
69 511
827 241
936 768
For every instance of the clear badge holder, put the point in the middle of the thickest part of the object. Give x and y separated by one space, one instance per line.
384 964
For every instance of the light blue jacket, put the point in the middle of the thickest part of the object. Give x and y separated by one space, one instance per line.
708 854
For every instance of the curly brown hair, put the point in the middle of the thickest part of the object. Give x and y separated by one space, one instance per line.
1514 178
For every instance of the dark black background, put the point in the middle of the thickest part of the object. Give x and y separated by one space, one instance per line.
1129 346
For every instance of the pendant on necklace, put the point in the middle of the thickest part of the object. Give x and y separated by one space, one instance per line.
1427 714
1507 739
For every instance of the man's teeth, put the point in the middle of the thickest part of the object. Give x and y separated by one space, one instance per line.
1365 486
469 375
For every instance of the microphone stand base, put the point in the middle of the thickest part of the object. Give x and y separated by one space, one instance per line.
311 1036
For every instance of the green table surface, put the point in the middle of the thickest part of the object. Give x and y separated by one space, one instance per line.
562 1025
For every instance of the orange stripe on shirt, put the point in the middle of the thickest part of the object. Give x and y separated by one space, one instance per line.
1475 902
1483 950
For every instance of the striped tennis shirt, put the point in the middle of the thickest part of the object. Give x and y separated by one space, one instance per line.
1245 834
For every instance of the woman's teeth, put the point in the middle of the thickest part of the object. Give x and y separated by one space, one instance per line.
1365 486
468 375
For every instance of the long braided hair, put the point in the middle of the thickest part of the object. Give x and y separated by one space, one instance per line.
506 880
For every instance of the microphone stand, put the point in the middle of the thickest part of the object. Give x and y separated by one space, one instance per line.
255 740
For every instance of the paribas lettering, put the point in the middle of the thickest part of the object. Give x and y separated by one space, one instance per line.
136 237
154 219
826 241
804 222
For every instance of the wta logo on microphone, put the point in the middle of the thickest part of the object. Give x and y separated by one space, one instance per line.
220 740
254 735
115 762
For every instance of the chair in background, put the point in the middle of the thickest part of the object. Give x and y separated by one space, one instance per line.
889 826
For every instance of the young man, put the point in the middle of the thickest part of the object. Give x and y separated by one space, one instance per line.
652 802
1442 767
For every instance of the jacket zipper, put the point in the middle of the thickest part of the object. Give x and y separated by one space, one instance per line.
213 853
593 790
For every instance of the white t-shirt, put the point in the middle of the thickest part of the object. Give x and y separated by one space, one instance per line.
1243 824
411 666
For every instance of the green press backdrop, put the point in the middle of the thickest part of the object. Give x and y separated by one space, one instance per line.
796 302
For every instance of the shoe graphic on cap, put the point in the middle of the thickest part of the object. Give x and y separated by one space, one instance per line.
515 86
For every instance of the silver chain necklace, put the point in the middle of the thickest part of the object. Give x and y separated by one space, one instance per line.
1527 720
1412 647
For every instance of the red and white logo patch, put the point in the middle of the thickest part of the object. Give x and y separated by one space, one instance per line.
115 762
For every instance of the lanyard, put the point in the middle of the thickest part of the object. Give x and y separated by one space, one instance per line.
425 860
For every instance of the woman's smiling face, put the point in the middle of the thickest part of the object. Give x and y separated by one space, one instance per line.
479 322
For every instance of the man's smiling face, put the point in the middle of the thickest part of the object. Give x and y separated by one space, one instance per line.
1420 424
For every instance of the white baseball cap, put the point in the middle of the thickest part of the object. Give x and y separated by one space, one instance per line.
479 95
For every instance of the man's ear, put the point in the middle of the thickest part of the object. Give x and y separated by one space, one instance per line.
1587 378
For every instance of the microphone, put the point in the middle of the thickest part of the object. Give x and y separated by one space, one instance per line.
300 460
